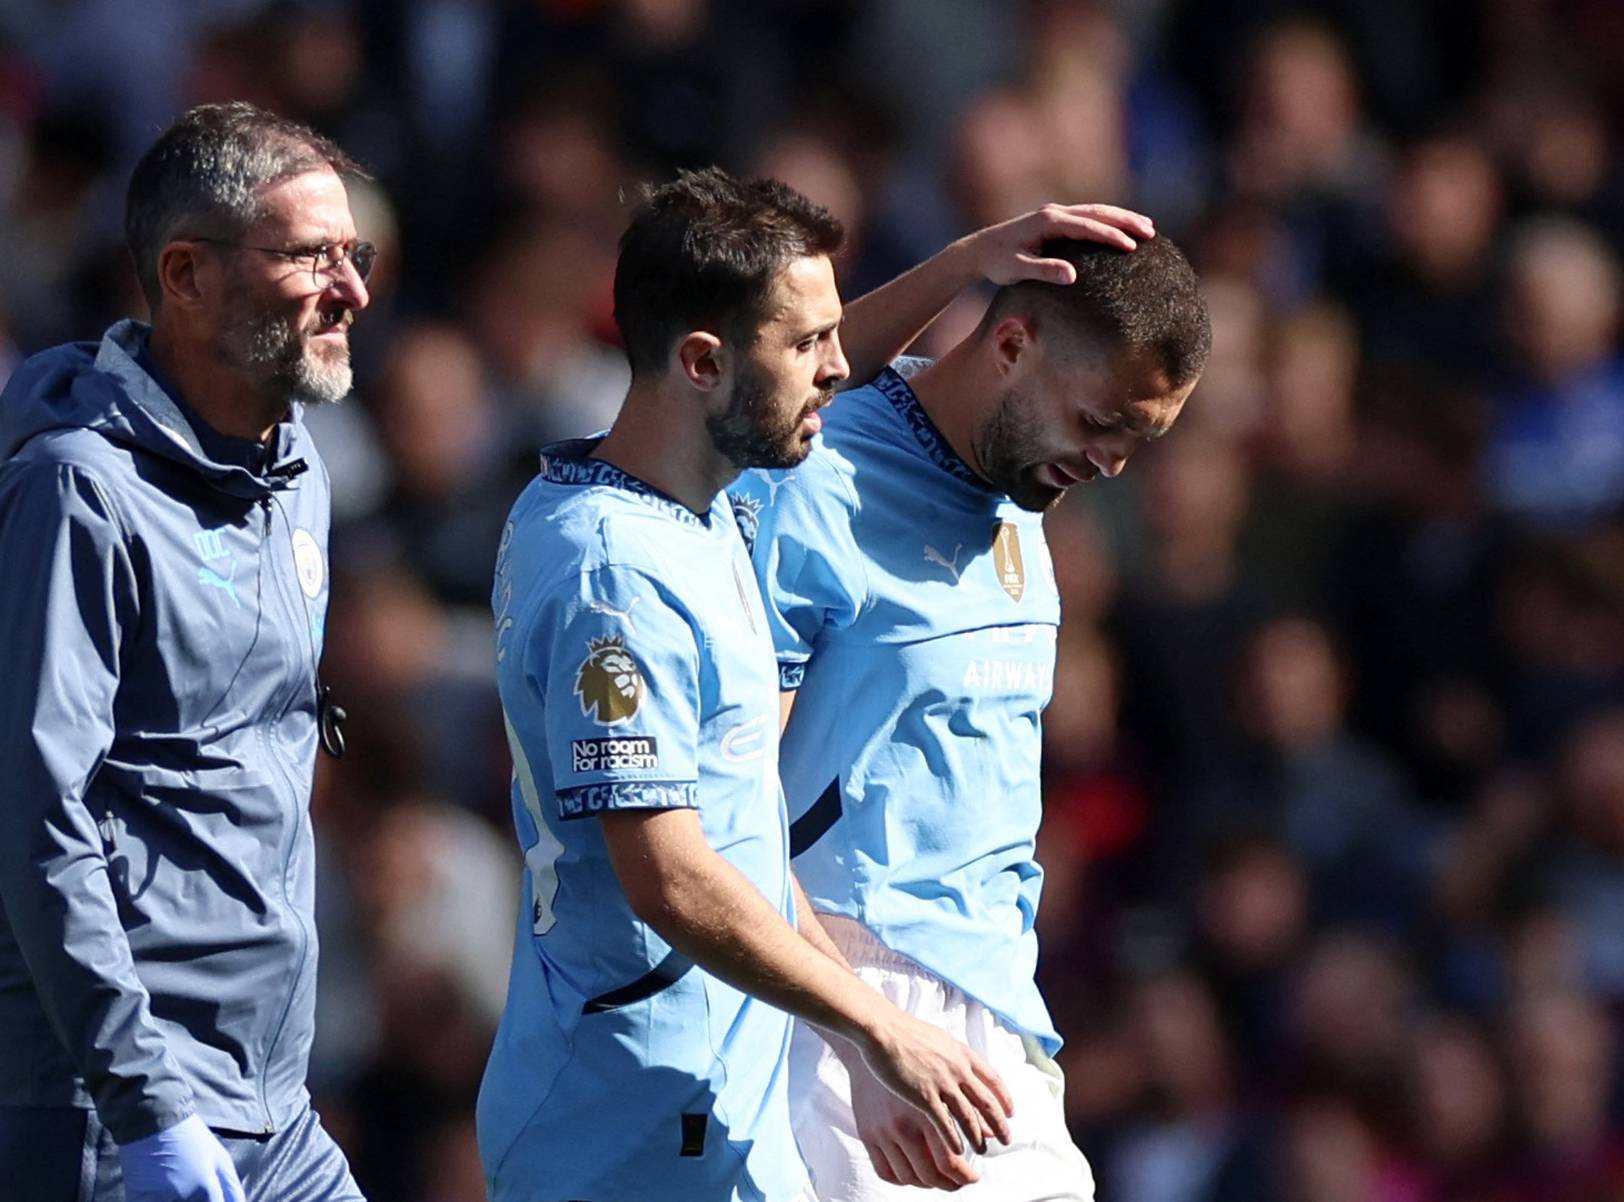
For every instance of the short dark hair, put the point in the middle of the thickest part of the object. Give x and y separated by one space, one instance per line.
204 176
702 252
1147 297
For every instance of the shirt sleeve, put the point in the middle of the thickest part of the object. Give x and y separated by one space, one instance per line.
812 578
70 594
622 697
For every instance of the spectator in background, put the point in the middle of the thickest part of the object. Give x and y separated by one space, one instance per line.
1333 1152
1190 1138
1304 145
1182 621
1555 457
48 260
1303 455
1585 875
1570 1149
534 321
1457 1110
1252 922
1426 290
1561 617
1551 126
1351 1002
1335 801
416 673
1411 585
454 462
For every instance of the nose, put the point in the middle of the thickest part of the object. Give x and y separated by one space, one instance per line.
348 283
1109 460
835 367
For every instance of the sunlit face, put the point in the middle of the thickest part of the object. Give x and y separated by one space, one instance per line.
787 374
1067 419
288 333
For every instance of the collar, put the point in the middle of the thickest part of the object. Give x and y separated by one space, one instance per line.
937 449
569 463
247 453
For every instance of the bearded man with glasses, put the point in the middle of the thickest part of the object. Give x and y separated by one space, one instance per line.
163 533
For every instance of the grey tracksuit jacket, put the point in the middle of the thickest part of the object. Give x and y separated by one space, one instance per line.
161 614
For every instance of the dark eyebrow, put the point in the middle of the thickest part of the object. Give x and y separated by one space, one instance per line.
817 331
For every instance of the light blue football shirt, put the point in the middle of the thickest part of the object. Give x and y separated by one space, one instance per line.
636 671
915 610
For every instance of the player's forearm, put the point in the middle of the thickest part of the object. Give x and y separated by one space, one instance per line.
811 927
706 909
717 918
812 930
880 325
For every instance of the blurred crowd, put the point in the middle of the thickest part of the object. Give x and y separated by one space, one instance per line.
1335 781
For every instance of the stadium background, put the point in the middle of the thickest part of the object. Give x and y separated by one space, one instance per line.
1335 780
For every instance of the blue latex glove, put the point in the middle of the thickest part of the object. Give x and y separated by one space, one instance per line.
183 1163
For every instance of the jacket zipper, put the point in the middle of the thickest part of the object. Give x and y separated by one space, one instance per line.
268 560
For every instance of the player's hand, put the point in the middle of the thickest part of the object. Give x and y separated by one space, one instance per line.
183 1163
1012 251
902 1144
964 1100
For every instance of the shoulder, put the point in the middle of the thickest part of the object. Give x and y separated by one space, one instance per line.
79 449
50 484
58 457
824 478
579 544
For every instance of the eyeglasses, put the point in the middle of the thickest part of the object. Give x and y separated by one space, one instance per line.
325 261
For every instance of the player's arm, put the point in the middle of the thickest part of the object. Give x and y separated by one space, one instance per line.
706 909
69 595
903 1149
880 325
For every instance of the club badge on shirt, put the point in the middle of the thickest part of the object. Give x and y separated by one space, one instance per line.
308 563
1007 559
609 683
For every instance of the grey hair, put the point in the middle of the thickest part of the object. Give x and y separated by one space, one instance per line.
205 175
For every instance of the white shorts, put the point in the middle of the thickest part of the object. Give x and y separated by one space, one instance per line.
1040 1163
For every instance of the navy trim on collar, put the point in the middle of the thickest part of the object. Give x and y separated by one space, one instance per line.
937 449
568 462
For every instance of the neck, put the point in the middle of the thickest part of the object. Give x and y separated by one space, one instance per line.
214 390
955 394
661 439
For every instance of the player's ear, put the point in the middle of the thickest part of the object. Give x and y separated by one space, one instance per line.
1012 340
697 358
179 265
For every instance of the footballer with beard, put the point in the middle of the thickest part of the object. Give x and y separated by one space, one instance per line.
913 606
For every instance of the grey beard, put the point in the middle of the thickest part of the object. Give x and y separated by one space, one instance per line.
278 361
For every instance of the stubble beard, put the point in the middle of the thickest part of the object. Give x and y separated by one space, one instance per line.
750 433
1009 446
